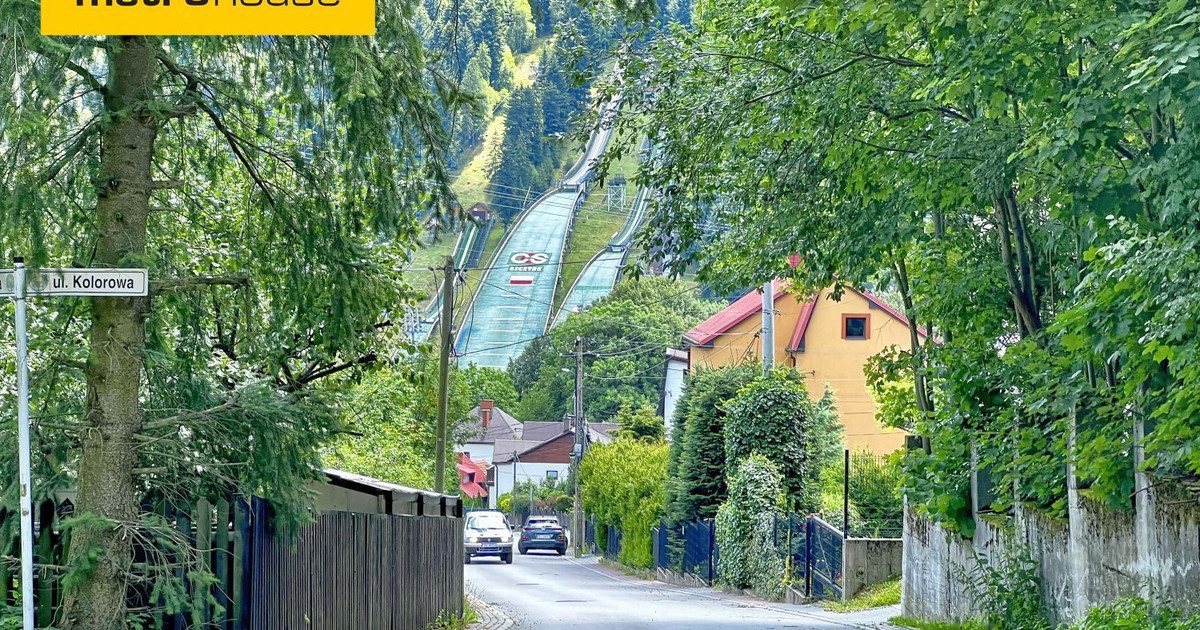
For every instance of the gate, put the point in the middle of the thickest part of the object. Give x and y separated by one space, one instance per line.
824 560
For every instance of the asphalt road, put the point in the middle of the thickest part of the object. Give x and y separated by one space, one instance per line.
548 592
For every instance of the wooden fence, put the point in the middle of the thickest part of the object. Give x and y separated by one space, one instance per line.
348 571
342 571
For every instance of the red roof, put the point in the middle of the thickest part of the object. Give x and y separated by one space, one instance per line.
473 475
747 305
751 304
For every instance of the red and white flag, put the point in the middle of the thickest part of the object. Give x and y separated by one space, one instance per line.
521 280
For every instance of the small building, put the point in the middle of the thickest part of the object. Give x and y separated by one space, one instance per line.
828 340
480 211
539 460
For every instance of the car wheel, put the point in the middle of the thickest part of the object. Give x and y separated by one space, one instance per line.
523 551
467 559
562 551
507 558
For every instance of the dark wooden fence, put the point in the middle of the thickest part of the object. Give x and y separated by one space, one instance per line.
342 571
349 571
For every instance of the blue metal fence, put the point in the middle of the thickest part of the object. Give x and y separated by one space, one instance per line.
811 549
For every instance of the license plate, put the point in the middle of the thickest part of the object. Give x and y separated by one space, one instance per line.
489 548
545 536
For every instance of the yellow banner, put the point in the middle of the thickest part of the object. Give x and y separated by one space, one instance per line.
208 17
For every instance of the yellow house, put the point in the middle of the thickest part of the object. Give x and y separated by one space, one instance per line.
827 340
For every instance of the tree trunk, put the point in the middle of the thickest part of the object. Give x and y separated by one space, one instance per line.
114 368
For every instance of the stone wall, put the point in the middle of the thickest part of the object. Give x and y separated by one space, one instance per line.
1093 558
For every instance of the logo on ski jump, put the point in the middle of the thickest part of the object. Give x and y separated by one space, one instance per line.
529 258
528 261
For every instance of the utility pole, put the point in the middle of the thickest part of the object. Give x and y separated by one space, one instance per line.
768 322
512 495
439 474
580 442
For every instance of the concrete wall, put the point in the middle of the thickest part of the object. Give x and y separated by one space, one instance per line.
868 561
1092 559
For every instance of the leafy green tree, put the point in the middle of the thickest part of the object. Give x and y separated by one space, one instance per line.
640 424
699 484
389 422
623 484
624 336
773 417
909 147
269 185
491 383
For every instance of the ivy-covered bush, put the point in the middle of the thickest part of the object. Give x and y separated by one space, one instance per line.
745 522
773 417
624 484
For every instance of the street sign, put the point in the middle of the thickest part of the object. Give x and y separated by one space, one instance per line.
98 282
20 284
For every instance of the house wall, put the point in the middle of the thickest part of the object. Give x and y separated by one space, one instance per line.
537 471
477 451
672 390
827 359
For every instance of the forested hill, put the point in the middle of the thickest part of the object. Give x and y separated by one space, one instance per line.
512 55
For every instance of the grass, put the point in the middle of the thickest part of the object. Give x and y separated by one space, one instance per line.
906 622
874 596
450 622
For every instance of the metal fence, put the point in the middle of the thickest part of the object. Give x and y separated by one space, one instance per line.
612 547
811 550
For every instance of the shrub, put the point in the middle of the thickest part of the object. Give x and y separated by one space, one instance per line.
1009 592
745 523
774 417
623 484
698 483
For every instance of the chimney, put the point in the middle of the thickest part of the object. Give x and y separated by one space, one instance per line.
485 411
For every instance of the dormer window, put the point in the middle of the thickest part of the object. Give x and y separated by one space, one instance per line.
856 326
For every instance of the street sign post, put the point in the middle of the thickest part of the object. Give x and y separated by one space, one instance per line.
17 284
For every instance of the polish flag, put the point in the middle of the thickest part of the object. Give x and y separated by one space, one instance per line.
521 280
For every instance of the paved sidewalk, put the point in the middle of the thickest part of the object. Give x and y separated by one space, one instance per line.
488 617
874 619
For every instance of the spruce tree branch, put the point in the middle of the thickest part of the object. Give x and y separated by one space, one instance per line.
85 134
309 376
189 416
187 284
231 139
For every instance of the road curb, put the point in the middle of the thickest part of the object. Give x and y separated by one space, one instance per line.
488 617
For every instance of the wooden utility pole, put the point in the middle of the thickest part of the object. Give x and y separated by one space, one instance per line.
439 474
580 443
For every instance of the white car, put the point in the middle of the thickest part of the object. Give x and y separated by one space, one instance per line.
487 534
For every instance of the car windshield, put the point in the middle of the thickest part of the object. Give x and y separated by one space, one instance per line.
486 521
